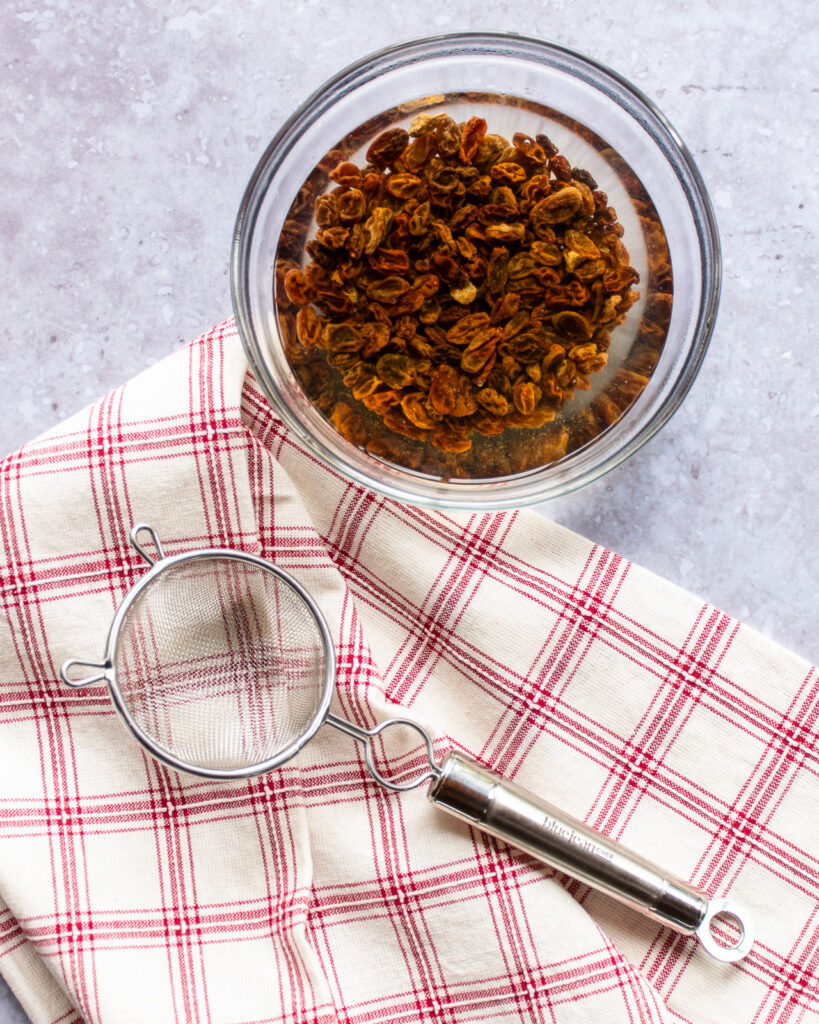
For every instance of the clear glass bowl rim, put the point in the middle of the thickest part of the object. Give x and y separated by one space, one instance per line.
480 495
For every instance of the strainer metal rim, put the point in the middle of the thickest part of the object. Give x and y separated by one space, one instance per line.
160 753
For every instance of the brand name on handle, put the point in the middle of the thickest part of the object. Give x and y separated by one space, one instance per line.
570 835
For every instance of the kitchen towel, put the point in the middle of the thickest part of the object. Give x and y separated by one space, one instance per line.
310 895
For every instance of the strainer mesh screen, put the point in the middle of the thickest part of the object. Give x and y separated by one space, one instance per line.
220 663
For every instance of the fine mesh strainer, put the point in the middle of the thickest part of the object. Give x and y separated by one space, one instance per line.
221 665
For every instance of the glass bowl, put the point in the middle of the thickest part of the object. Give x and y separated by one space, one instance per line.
601 123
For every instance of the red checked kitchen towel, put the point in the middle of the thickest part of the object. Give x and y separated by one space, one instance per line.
133 894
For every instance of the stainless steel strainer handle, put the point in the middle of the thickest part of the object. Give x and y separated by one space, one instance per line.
501 808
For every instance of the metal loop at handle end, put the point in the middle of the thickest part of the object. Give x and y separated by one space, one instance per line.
101 675
133 536
365 737
730 908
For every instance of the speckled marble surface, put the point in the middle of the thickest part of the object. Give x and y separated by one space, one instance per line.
128 131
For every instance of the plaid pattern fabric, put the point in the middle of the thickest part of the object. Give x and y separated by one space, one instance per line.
310 896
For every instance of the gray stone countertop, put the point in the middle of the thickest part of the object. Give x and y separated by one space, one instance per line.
128 132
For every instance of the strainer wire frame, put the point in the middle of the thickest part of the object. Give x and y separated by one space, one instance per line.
108 672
